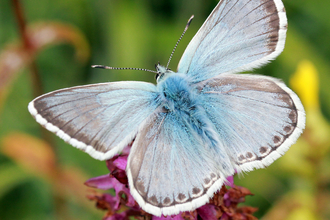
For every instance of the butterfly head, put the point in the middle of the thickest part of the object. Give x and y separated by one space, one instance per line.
162 73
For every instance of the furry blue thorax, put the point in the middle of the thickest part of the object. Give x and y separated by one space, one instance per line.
176 94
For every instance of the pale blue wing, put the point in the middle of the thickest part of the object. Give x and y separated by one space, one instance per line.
257 118
172 168
100 119
238 35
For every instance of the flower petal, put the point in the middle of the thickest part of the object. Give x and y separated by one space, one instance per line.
176 217
101 182
208 212
230 181
120 175
305 82
121 162
116 216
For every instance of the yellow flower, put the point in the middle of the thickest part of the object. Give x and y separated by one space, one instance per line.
305 82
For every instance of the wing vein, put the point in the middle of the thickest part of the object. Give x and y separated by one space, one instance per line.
216 23
153 156
255 100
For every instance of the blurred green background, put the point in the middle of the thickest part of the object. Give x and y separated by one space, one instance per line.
41 177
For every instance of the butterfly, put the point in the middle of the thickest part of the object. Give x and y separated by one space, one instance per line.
198 125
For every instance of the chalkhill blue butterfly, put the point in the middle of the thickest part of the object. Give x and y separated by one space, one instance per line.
198 125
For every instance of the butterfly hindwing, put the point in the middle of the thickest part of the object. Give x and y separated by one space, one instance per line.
257 117
100 119
171 168
238 35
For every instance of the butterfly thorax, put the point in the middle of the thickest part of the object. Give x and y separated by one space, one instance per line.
176 94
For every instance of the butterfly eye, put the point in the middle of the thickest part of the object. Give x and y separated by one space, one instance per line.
157 76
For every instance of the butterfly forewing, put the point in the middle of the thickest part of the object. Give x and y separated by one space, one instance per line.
258 118
100 119
238 35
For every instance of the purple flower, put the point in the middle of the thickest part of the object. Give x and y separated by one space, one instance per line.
122 206
176 217
116 180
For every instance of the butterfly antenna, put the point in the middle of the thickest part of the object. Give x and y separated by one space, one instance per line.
184 31
121 68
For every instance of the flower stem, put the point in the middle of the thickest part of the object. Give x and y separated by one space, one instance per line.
37 87
36 81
